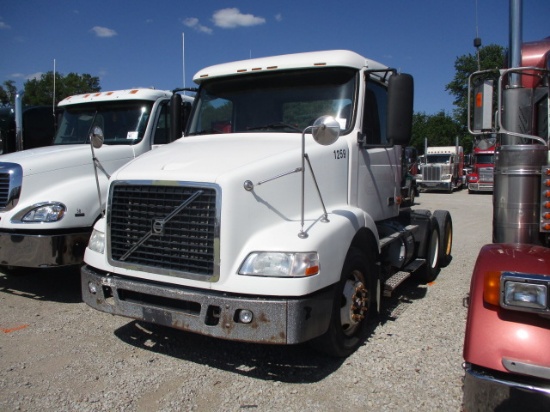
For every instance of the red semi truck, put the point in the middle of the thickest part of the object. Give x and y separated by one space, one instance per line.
480 178
507 339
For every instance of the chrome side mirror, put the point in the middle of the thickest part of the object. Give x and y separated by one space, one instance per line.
325 130
96 137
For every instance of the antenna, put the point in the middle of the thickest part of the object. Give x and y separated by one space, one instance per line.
183 57
53 98
477 42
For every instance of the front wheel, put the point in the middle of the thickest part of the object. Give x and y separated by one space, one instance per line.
353 306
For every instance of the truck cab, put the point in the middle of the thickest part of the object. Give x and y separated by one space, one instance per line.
53 195
480 177
506 356
277 218
442 168
36 127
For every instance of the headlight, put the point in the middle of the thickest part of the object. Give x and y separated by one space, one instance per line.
97 241
42 213
445 177
524 292
280 264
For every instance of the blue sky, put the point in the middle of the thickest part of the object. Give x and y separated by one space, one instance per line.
129 43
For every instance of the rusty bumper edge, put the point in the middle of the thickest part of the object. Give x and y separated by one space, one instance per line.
486 390
278 320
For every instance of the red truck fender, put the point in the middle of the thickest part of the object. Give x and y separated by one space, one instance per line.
494 333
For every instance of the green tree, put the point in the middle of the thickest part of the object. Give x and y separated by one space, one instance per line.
440 129
7 93
490 57
40 91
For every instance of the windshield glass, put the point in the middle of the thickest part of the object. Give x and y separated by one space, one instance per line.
274 102
122 122
439 158
485 158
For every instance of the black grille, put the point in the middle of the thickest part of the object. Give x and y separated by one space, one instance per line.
150 226
4 189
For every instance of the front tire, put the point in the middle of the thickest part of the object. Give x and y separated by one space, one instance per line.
354 305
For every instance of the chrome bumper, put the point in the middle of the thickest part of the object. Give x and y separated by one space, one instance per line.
274 320
435 185
38 251
486 390
480 187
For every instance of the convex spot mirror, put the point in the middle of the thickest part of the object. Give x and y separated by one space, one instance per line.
325 130
97 137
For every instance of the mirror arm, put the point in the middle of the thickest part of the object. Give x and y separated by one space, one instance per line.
323 133
302 234
324 219
97 165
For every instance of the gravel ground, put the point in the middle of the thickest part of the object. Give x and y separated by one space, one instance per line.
57 354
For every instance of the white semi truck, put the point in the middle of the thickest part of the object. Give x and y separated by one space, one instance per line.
442 168
277 218
50 197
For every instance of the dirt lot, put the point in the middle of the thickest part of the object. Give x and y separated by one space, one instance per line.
57 354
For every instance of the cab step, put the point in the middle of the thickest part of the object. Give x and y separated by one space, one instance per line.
399 277
394 281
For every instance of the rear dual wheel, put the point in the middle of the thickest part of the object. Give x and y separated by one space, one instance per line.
445 224
430 270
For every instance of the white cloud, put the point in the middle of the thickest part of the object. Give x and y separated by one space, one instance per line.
232 17
4 26
34 76
279 17
103 31
193 23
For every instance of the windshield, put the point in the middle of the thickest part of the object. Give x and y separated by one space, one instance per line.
274 102
439 158
122 122
485 158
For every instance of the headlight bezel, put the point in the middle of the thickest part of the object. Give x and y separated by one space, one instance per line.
33 214
533 288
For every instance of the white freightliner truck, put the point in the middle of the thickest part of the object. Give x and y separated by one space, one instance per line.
277 218
49 196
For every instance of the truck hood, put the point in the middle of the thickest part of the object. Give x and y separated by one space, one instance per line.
185 158
51 158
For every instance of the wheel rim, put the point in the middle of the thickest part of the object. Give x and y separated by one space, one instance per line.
434 249
355 301
448 239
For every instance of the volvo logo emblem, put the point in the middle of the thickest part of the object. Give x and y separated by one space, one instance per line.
158 226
